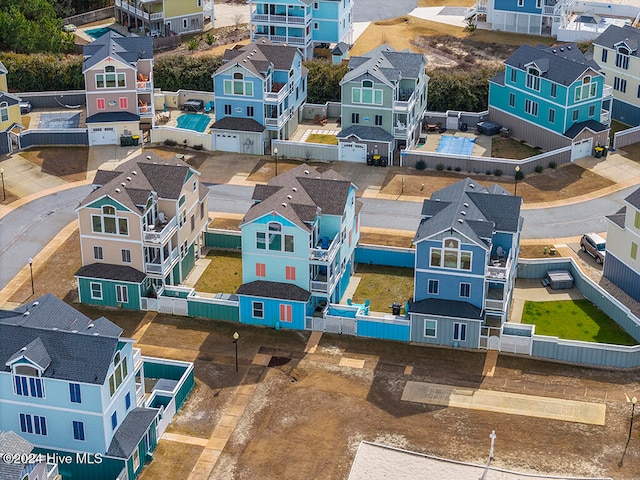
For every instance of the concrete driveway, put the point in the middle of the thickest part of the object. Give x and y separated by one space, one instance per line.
372 10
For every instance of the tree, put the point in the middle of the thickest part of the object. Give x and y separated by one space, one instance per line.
173 72
455 89
323 81
64 8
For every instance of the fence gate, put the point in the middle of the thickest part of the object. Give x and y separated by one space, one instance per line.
173 306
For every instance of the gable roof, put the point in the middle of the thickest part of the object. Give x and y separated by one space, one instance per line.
238 124
563 64
134 426
11 442
110 271
386 64
363 132
266 289
485 211
634 199
127 50
141 177
259 56
299 194
574 130
613 35
69 345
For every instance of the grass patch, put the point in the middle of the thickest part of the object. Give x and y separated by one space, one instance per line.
322 138
224 273
510 148
574 320
383 286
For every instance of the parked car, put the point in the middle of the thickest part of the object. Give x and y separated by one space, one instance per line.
25 107
594 245
155 33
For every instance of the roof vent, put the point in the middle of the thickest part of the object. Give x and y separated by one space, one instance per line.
23 349
460 220
117 190
148 157
123 184
437 199
91 325
294 189
27 313
55 328
134 172
289 197
472 185
569 47
35 304
74 331
554 51
466 204
463 212
561 49
306 172
284 204
129 178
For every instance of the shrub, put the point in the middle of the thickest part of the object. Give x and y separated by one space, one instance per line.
553 164
519 175
539 169
198 147
457 169
488 172
421 165
497 172
449 168
170 143
192 44
210 38
439 167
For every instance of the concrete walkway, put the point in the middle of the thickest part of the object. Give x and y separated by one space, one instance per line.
503 402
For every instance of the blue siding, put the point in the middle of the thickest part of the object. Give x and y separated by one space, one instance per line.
271 316
625 112
512 6
444 331
623 276
579 352
378 255
385 330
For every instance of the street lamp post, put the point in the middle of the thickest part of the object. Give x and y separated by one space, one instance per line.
634 400
33 290
275 152
4 193
515 189
236 336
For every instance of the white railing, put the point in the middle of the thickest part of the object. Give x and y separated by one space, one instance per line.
605 116
405 105
157 16
275 122
143 86
499 273
607 91
131 9
402 131
261 17
548 9
52 471
140 396
324 287
325 255
494 304
145 111
276 97
282 39
152 236
163 267
137 359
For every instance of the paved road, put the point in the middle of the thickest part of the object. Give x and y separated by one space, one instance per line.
372 10
25 231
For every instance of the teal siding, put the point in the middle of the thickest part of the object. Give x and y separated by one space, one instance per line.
213 311
392 330
223 240
108 469
171 372
134 291
176 274
108 201
375 255
142 451
188 262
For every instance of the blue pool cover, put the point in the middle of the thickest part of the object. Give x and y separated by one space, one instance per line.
194 121
456 145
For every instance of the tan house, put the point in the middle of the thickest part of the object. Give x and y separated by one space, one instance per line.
140 230
118 75
10 119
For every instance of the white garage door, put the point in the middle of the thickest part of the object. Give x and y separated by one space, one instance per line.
102 136
581 149
227 142
353 152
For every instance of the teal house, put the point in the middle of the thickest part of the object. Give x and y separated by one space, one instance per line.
75 387
140 229
552 97
298 243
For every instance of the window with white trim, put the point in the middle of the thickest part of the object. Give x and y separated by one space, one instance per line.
512 100
285 313
533 79
33 424
620 84
605 53
587 90
122 294
114 421
96 291
257 309
465 290
431 328
136 460
126 255
554 90
120 372
4 111
622 57
366 93
78 430
27 382
460 332
109 78
433 287
97 253
450 256
552 115
109 222
531 107
238 85
74 393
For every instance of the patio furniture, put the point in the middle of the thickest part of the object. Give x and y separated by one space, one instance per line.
432 127
208 107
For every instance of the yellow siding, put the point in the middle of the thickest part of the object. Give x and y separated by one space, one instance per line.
3 83
178 8
14 117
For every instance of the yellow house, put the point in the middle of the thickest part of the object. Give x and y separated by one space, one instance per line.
163 17
10 120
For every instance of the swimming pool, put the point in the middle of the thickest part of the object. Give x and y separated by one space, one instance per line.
59 120
98 32
194 121
456 145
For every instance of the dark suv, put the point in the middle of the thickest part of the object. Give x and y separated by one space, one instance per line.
594 245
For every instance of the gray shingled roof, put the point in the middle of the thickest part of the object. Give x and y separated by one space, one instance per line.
577 128
258 56
485 210
559 69
265 289
79 349
366 133
446 308
131 431
386 64
614 34
299 194
340 49
35 352
619 217
111 117
11 442
634 199
125 49
109 271
10 99
238 124
153 173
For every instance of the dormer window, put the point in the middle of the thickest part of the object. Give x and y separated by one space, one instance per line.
533 79
450 256
110 78
588 89
622 57
238 86
27 381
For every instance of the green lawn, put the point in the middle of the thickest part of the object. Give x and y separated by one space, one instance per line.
322 138
224 273
383 286
574 320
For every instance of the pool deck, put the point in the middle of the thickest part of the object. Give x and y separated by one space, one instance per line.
35 114
482 147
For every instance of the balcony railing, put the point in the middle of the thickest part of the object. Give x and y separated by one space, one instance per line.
607 91
275 121
287 19
400 131
494 304
126 6
145 111
276 97
325 254
137 359
283 39
152 235
498 272
605 117
405 105
320 286
162 267
140 396
157 16
143 86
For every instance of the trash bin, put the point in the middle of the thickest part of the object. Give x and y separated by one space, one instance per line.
605 151
395 308
136 140
598 152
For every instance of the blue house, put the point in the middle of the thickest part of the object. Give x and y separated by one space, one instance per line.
74 386
533 17
552 97
298 243
259 89
466 255
305 24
